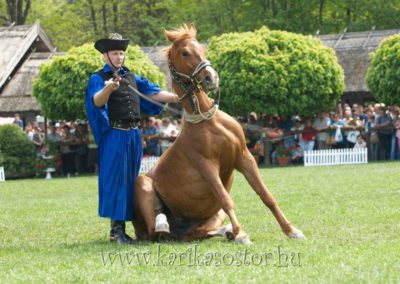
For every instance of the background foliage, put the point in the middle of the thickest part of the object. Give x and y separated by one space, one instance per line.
276 72
74 22
383 75
18 152
60 86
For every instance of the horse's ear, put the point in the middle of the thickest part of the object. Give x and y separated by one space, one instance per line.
171 36
192 29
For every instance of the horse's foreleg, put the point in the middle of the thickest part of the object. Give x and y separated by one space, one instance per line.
248 167
208 228
211 174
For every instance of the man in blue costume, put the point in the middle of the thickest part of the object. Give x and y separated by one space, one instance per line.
113 109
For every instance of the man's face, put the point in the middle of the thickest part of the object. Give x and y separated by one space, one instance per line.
116 57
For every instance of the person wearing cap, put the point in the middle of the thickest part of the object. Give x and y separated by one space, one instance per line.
113 110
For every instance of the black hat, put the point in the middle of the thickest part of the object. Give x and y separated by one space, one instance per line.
113 42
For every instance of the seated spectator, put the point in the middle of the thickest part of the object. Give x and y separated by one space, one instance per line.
360 142
296 154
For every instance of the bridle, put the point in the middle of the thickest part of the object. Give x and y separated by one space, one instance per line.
193 85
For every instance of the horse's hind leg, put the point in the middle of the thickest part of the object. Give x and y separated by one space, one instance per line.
147 206
248 167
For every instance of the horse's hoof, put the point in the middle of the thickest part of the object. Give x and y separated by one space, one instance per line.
162 225
221 231
297 235
243 239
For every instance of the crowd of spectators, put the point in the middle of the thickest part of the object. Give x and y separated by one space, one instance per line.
72 145
376 127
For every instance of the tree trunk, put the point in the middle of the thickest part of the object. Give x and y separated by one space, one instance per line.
16 11
273 8
93 15
104 9
115 16
321 13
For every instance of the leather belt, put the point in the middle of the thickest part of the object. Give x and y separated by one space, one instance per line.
124 124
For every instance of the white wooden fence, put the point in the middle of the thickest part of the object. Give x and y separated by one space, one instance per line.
2 175
336 157
148 163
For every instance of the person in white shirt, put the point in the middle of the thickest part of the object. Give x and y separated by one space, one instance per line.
360 142
322 124
168 133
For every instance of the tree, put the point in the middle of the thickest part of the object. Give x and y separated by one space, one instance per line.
383 75
275 72
18 11
60 86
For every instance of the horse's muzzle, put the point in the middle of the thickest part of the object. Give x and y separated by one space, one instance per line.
210 80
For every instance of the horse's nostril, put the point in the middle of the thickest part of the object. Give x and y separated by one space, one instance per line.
207 79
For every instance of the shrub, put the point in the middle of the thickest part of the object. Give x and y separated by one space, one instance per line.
60 87
18 152
383 75
275 72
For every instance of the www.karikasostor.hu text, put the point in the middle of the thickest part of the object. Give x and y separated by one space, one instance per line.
193 257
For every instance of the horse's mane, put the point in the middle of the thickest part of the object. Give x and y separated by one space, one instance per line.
181 33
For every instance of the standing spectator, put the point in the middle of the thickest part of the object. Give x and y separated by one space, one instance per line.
396 126
308 136
18 121
168 133
385 131
82 139
92 165
285 124
372 136
67 153
151 136
37 138
252 130
53 136
337 124
322 124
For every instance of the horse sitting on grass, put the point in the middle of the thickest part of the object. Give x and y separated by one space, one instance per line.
186 195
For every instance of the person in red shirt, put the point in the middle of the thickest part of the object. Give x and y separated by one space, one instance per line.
308 136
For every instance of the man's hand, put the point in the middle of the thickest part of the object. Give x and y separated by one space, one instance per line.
112 83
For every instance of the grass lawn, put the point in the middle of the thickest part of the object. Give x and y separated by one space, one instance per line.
50 232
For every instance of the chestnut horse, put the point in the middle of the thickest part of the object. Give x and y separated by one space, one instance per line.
186 195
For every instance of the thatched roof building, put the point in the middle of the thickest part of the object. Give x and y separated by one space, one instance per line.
23 50
352 50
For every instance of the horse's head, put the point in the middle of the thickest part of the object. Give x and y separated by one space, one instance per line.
187 59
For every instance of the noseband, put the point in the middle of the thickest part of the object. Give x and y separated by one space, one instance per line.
193 85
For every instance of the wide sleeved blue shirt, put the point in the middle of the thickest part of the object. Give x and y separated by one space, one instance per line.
98 116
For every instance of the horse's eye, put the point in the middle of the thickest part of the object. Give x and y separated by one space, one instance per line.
185 53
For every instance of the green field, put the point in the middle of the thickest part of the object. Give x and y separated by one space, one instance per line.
50 232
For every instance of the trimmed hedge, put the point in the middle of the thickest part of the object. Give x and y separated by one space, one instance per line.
276 72
18 152
60 87
383 77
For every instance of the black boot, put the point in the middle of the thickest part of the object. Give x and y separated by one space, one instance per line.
117 233
126 235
